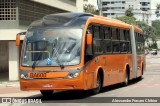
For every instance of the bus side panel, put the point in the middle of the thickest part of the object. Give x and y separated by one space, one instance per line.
141 64
116 66
91 71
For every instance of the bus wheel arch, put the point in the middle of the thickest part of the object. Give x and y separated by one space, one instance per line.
127 75
99 81
142 71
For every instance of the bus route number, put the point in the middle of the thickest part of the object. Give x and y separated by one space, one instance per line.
37 75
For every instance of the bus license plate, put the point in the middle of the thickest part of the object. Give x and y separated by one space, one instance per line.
37 75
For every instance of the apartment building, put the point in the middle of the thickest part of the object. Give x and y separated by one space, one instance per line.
117 8
15 16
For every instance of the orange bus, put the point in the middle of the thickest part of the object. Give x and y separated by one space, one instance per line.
79 51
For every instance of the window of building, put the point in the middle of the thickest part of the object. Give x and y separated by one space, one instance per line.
112 2
112 8
104 3
123 2
112 13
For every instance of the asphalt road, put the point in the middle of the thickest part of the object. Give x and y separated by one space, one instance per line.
149 86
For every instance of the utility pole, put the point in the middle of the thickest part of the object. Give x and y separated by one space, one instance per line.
99 3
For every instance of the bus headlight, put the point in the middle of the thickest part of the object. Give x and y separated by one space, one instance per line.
73 75
23 76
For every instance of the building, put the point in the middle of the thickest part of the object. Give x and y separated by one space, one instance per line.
117 8
15 16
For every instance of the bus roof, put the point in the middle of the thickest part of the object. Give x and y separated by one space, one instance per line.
107 18
62 20
74 19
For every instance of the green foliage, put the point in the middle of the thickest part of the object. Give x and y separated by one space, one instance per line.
129 12
158 6
127 19
157 11
89 8
156 25
149 33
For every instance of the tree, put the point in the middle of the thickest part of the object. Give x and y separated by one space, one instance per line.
127 19
149 33
89 8
157 10
129 12
156 25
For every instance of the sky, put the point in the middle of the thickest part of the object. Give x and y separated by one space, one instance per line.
153 7
94 2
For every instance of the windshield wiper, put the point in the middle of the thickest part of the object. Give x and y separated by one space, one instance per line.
57 59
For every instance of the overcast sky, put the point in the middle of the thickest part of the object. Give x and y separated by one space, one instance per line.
154 3
94 2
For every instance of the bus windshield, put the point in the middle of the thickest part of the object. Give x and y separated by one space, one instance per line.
52 47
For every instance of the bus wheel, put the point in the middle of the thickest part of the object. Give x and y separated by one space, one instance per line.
140 78
125 83
98 84
47 93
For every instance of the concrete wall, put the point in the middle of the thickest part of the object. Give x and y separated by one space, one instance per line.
13 61
3 56
10 34
63 5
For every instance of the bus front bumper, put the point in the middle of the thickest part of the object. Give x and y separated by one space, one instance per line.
53 84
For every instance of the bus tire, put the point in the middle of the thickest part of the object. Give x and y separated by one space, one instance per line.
125 83
98 84
140 77
47 93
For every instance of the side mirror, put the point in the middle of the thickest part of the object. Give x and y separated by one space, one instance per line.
89 39
18 41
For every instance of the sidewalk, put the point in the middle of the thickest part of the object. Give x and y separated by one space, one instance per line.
12 89
9 87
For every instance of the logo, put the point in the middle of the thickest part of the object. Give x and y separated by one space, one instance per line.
49 61
47 86
6 100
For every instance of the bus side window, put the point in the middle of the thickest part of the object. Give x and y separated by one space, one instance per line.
97 40
123 43
127 40
115 40
107 40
